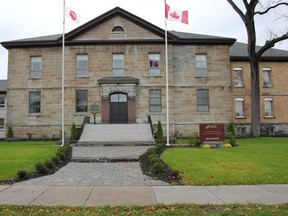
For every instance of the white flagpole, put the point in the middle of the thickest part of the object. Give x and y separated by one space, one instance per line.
63 68
167 82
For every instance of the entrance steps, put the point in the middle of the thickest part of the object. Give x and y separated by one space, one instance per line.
116 135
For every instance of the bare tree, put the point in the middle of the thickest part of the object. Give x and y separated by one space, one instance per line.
251 8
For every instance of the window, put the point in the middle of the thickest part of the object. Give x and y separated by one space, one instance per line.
270 131
2 123
239 108
267 80
241 131
238 77
118 64
2 102
201 64
154 64
118 29
82 101
35 66
268 108
82 65
35 102
155 104
202 100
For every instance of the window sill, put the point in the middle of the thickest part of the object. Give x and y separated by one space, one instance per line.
82 77
35 78
203 113
34 115
240 117
269 117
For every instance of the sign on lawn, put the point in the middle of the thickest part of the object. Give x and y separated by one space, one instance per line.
213 132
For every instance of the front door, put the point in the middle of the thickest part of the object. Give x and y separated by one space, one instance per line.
118 108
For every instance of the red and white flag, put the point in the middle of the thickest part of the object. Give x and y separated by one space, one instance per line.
176 15
72 14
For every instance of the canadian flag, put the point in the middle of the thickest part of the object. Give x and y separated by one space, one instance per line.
176 15
72 14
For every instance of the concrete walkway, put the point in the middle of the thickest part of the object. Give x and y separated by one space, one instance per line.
141 195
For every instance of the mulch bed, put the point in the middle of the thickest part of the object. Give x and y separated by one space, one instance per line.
168 175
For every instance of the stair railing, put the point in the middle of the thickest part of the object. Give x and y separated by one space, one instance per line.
151 124
86 120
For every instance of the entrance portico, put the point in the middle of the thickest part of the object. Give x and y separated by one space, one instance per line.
118 99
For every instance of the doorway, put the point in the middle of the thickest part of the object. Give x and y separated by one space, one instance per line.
118 108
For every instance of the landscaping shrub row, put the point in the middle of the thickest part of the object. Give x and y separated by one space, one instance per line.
152 165
62 157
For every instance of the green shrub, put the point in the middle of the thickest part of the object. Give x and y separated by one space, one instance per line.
158 167
49 164
231 134
61 155
55 159
44 136
159 131
10 133
159 148
41 168
74 134
153 160
151 151
66 149
22 174
195 139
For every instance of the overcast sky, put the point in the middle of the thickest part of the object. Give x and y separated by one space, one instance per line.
31 18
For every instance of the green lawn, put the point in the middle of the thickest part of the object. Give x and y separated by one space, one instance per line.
23 155
254 161
216 210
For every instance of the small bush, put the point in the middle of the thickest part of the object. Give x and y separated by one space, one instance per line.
44 136
61 155
66 149
22 174
159 148
158 167
41 168
206 146
10 133
227 146
159 132
55 159
195 139
151 151
153 160
49 164
74 134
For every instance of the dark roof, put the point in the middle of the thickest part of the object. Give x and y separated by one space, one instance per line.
173 37
238 51
118 80
3 86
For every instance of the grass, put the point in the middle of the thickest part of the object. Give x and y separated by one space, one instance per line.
254 161
23 155
215 210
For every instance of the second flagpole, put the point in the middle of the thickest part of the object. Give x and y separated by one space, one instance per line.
62 83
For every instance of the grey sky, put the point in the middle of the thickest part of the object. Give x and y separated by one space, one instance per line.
32 18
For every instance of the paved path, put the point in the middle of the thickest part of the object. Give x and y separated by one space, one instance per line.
141 195
96 174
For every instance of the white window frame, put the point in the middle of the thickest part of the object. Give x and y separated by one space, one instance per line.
35 66
203 103
118 64
241 113
2 102
34 102
238 82
82 61
201 64
269 113
267 77
155 101
154 64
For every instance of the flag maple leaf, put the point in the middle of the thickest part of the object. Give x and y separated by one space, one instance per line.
174 15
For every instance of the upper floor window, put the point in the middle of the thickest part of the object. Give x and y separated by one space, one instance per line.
2 102
35 102
268 108
118 29
202 100
35 66
240 108
155 104
82 65
201 65
267 78
81 101
118 64
154 64
238 77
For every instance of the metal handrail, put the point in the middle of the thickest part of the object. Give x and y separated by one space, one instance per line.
151 124
85 121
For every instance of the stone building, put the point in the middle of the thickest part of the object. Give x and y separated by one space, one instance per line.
117 61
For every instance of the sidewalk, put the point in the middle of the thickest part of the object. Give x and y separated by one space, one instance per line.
141 195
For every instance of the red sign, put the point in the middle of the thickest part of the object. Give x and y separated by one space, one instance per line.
212 132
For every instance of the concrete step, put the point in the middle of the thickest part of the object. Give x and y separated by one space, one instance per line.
116 134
